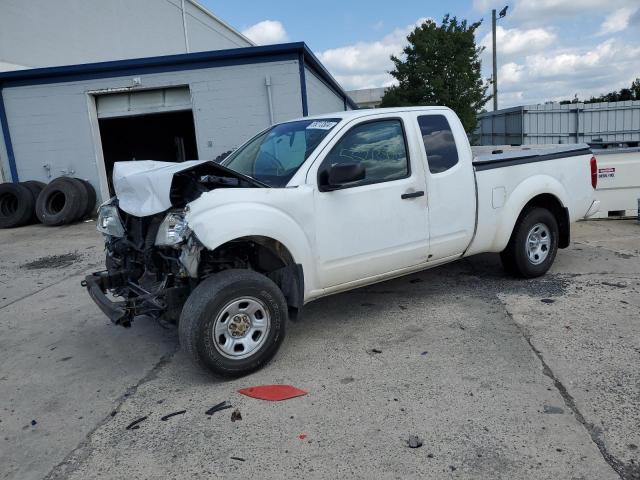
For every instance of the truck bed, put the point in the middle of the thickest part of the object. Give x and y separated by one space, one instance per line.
508 178
489 157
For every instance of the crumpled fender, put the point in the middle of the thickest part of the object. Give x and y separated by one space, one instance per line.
222 215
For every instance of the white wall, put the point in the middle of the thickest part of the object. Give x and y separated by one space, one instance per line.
36 33
52 123
320 97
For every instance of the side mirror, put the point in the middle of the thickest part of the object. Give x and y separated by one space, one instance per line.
344 173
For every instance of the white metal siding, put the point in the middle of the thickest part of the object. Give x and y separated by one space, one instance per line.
320 97
143 102
52 123
85 31
555 123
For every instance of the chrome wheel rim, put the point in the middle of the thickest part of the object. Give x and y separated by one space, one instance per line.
241 328
538 243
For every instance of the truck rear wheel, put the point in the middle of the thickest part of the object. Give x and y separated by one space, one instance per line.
233 322
533 244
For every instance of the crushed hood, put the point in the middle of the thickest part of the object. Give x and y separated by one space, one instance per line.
143 186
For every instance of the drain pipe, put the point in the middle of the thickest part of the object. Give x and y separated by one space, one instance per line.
267 82
184 27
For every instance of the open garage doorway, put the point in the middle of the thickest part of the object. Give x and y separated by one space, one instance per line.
148 125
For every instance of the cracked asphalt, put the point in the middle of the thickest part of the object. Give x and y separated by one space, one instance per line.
500 378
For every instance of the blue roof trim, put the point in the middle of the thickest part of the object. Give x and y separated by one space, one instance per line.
140 66
7 141
188 61
303 85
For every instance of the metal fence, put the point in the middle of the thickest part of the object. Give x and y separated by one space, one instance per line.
555 123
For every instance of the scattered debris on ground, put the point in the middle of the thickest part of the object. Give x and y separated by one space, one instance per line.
274 393
414 441
553 410
53 261
236 415
167 417
134 425
218 407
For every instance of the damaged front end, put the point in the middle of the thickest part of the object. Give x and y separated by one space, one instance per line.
151 265
152 257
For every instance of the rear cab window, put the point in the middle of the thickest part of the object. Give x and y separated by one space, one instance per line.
439 143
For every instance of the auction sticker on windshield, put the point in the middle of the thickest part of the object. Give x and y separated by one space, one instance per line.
318 125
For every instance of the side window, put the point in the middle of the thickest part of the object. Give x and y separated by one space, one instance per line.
379 146
439 143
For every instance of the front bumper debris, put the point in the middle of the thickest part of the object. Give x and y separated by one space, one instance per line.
97 284
165 302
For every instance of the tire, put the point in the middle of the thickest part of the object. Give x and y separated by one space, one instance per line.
35 188
205 309
91 198
16 205
529 261
61 202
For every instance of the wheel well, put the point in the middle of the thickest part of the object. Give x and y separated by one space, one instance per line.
264 255
560 212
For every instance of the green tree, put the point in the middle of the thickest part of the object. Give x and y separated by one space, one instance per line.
631 93
635 88
440 66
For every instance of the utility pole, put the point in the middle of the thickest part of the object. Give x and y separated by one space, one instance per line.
494 20
495 62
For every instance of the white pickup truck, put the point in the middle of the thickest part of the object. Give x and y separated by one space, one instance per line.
317 206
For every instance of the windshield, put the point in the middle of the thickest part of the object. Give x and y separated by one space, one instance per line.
274 156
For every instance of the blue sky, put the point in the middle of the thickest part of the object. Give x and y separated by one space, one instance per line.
547 49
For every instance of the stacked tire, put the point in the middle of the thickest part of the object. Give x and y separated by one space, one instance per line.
63 201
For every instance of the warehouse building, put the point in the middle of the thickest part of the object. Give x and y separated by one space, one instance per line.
367 97
78 120
45 33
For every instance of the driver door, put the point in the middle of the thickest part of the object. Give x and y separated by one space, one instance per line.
377 225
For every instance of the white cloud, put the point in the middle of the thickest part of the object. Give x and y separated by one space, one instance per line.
510 73
364 64
561 73
514 41
267 32
547 10
618 20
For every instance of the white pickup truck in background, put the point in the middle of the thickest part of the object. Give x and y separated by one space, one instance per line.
321 205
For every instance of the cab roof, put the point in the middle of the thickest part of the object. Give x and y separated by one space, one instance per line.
360 113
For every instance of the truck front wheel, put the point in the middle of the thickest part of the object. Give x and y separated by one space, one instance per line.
233 322
533 244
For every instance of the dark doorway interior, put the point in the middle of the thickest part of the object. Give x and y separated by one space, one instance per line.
168 137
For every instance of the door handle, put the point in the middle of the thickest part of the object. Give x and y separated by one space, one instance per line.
405 196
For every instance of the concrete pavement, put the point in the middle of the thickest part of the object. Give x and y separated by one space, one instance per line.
501 378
